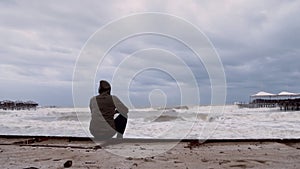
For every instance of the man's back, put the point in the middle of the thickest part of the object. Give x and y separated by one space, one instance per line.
103 108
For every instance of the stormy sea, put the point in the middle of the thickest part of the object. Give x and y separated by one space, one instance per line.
186 122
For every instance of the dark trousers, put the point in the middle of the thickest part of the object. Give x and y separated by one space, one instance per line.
120 123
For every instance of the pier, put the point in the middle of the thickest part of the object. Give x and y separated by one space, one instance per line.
18 105
286 101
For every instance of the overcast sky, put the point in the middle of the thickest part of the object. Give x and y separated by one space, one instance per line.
258 43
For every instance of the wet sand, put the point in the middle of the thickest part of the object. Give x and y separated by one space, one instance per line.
55 152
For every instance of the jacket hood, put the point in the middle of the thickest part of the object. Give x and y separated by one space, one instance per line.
104 87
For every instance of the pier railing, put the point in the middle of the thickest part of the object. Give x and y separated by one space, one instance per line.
283 104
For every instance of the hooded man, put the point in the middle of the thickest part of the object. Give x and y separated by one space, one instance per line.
103 109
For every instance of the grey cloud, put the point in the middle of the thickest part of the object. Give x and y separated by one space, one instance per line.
257 42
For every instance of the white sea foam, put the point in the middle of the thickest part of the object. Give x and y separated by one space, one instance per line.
192 122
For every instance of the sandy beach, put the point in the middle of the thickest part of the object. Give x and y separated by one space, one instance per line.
55 152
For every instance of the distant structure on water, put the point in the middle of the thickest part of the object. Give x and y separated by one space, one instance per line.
284 100
18 105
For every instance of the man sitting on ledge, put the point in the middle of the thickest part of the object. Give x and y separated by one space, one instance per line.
103 108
